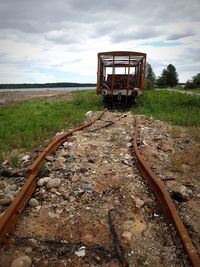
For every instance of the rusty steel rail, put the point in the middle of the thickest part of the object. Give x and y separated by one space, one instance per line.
166 202
13 212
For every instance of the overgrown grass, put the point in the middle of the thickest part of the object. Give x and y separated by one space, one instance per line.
174 107
28 124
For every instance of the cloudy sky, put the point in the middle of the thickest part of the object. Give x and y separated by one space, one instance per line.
58 40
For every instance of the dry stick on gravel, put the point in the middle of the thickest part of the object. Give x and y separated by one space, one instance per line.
70 247
116 240
104 126
17 173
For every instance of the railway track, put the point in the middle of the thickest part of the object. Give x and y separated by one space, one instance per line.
102 213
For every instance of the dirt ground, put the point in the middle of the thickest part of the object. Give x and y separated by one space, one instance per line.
15 97
92 185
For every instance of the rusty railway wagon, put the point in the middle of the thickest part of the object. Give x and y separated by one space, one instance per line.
120 77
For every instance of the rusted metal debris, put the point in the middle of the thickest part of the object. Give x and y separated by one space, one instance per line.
166 202
13 212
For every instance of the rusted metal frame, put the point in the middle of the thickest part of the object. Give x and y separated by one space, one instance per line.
166 203
143 73
104 73
113 74
128 81
13 212
138 75
98 74
121 53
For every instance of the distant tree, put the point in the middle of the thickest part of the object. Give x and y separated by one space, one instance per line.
150 79
162 79
196 80
189 85
168 78
172 77
194 83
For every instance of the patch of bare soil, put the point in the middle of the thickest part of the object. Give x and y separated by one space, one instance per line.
93 186
15 97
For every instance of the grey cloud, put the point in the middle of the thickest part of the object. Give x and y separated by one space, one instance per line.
47 15
134 34
189 56
62 37
195 68
72 22
177 36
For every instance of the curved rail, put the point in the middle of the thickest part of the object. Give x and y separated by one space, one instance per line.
166 203
13 212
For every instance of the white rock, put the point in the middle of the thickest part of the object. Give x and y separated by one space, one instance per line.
49 158
33 242
80 252
127 156
129 145
22 261
65 144
33 202
53 215
138 202
5 162
43 181
145 143
127 236
53 183
60 160
12 187
26 158
88 114
59 133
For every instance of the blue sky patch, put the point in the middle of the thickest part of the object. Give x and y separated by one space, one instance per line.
162 44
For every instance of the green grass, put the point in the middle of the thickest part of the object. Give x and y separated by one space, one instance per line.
28 124
174 107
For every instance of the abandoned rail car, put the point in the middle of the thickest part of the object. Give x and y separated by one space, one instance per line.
120 77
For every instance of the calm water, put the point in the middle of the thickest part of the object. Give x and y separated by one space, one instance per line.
66 89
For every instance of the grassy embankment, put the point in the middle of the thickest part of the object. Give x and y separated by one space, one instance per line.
177 108
180 110
28 124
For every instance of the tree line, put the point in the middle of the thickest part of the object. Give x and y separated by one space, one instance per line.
168 78
45 85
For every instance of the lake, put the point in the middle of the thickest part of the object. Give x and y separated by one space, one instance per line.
66 89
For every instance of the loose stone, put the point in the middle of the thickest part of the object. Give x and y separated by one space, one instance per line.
5 201
127 236
53 183
22 261
26 158
49 158
33 202
43 181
